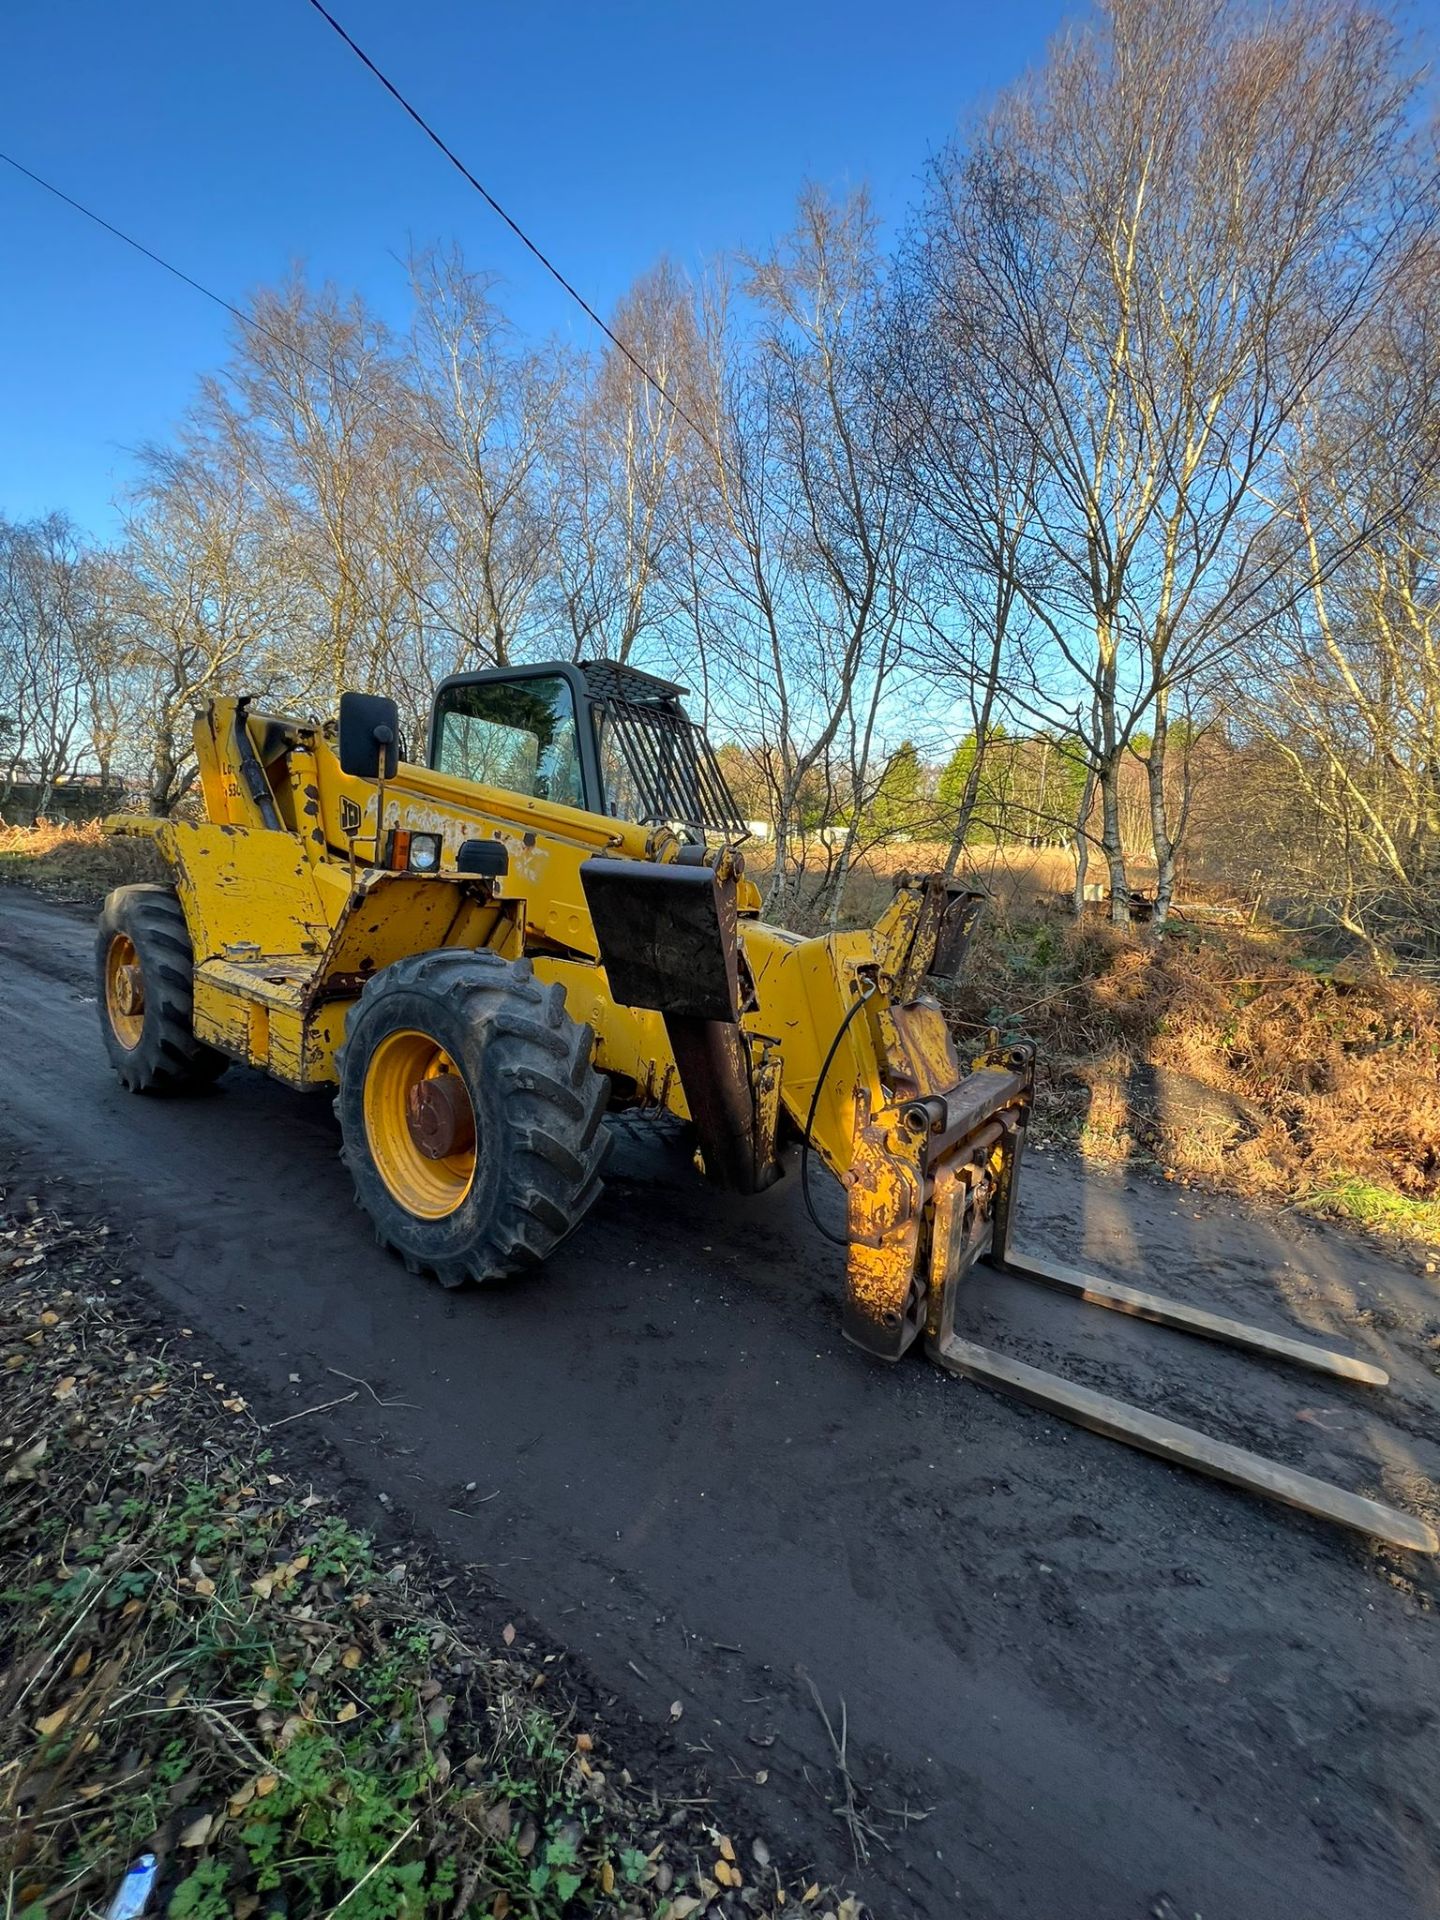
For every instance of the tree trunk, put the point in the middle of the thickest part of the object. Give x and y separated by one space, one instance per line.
857 801
1082 842
1160 834
779 887
1110 841
966 811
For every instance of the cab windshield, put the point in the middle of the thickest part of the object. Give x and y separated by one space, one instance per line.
517 734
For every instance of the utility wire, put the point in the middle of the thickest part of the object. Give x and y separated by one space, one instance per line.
219 299
514 225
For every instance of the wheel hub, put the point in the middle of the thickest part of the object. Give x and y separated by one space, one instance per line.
129 990
124 992
439 1116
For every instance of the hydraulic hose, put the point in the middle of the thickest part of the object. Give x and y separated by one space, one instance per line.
867 988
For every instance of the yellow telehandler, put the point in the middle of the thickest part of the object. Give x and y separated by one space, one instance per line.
479 955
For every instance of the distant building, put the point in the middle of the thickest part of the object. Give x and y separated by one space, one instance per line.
79 796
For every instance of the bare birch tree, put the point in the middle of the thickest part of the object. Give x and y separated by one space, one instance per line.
51 626
1175 229
798 591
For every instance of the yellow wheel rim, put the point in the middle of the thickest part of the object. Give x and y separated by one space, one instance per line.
124 991
420 1124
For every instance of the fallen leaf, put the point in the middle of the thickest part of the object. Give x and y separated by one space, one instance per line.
607 1877
241 1799
204 1586
266 1784
51 1722
676 1709
727 1848
14 1360
49 1318
812 1892
351 1658
175 1693
761 1852
507 1634
27 1462
64 1388
584 1743
348 1711
501 1906
264 1586
849 1908
198 1831
525 1840
234 1405
81 1664
682 1906
762 1776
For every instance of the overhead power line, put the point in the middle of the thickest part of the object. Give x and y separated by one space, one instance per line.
129 239
245 319
514 225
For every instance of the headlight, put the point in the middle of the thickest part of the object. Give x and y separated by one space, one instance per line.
414 852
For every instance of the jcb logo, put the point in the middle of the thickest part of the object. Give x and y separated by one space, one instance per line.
349 815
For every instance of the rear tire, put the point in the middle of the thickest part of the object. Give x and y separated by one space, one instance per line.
488 1182
145 979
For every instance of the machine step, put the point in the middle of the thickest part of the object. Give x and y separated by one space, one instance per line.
1184 1446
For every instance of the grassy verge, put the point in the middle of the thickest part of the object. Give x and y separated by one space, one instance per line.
203 1660
1379 1208
76 864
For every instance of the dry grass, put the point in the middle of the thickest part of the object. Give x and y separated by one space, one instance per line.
1231 1057
76 863
1019 880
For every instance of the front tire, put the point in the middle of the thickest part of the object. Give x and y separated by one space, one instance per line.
145 981
469 1114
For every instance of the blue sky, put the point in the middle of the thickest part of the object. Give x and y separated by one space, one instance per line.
240 139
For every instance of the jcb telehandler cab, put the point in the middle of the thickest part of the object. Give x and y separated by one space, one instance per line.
553 916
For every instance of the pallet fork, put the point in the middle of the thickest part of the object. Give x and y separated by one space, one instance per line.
973 1183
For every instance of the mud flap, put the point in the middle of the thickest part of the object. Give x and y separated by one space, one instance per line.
667 937
668 941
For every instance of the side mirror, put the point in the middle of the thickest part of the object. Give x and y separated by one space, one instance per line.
369 726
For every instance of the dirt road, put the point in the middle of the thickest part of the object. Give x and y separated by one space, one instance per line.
1119 1690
